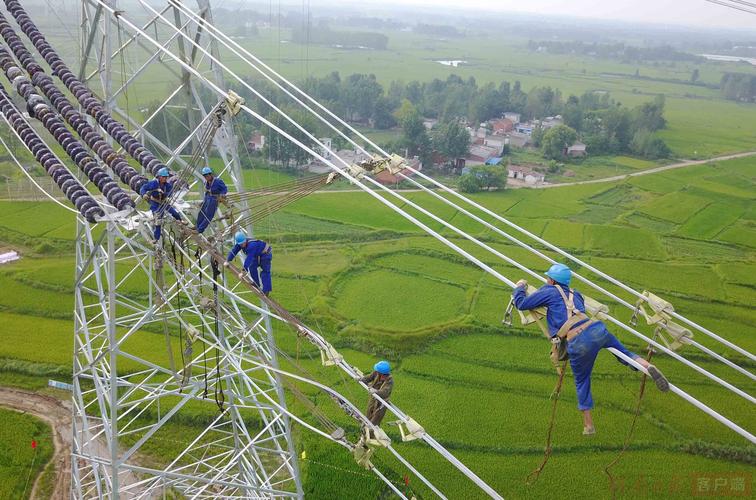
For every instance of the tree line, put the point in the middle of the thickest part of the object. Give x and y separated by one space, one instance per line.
604 125
738 87
618 51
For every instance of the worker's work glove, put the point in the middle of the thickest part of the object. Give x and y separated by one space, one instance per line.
372 391
146 197
242 275
521 283
226 263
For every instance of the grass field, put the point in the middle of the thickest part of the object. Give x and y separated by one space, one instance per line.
376 286
19 462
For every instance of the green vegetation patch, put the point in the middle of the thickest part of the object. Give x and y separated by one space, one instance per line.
309 261
740 233
625 195
623 241
430 267
656 225
564 233
702 251
675 207
20 464
391 301
710 221
688 279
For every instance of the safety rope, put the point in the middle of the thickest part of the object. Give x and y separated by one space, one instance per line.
220 397
198 256
533 476
631 431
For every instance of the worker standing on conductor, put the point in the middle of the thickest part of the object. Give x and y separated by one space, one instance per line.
215 191
380 383
156 192
259 257
585 337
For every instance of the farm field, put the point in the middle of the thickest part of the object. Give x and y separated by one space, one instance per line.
376 287
20 464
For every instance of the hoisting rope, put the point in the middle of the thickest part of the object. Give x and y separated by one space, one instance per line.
631 431
161 298
198 256
268 200
533 476
220 397
185 350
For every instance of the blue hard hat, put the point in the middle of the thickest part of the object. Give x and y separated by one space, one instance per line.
207 170
240 238
163 172
560 273
382 367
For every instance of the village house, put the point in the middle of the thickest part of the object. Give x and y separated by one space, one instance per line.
525 128
513 117
526 174
479 154
256 142
387 178
429 123
502 126
577 150
496 141
552 121
518 140
349 156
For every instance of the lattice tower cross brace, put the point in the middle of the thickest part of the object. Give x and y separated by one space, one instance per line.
97 31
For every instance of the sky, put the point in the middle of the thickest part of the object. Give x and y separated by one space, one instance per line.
678 12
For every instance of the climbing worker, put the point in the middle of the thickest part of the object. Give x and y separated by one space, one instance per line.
156 192
259 255
215 191
585 337
381 383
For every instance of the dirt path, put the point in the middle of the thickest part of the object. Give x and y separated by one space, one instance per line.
57 414
686 163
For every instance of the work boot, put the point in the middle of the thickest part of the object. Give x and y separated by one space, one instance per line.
659 379
589 431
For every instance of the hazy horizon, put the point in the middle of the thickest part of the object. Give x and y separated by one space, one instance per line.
696 13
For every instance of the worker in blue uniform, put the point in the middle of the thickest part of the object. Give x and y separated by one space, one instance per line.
259 256
156 192
215 190
584 337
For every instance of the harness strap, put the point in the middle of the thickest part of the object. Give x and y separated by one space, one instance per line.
568 330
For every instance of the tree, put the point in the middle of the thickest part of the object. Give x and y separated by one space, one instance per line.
572 113
451 139
382 117
415 137
695 75
482 177
556 139
650 115
470 183
280 149
645 144
537 136
359 95
492 176
411 122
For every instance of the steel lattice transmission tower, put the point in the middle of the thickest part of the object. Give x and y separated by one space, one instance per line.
155 341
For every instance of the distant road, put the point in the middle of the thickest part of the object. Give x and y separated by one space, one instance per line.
686 163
